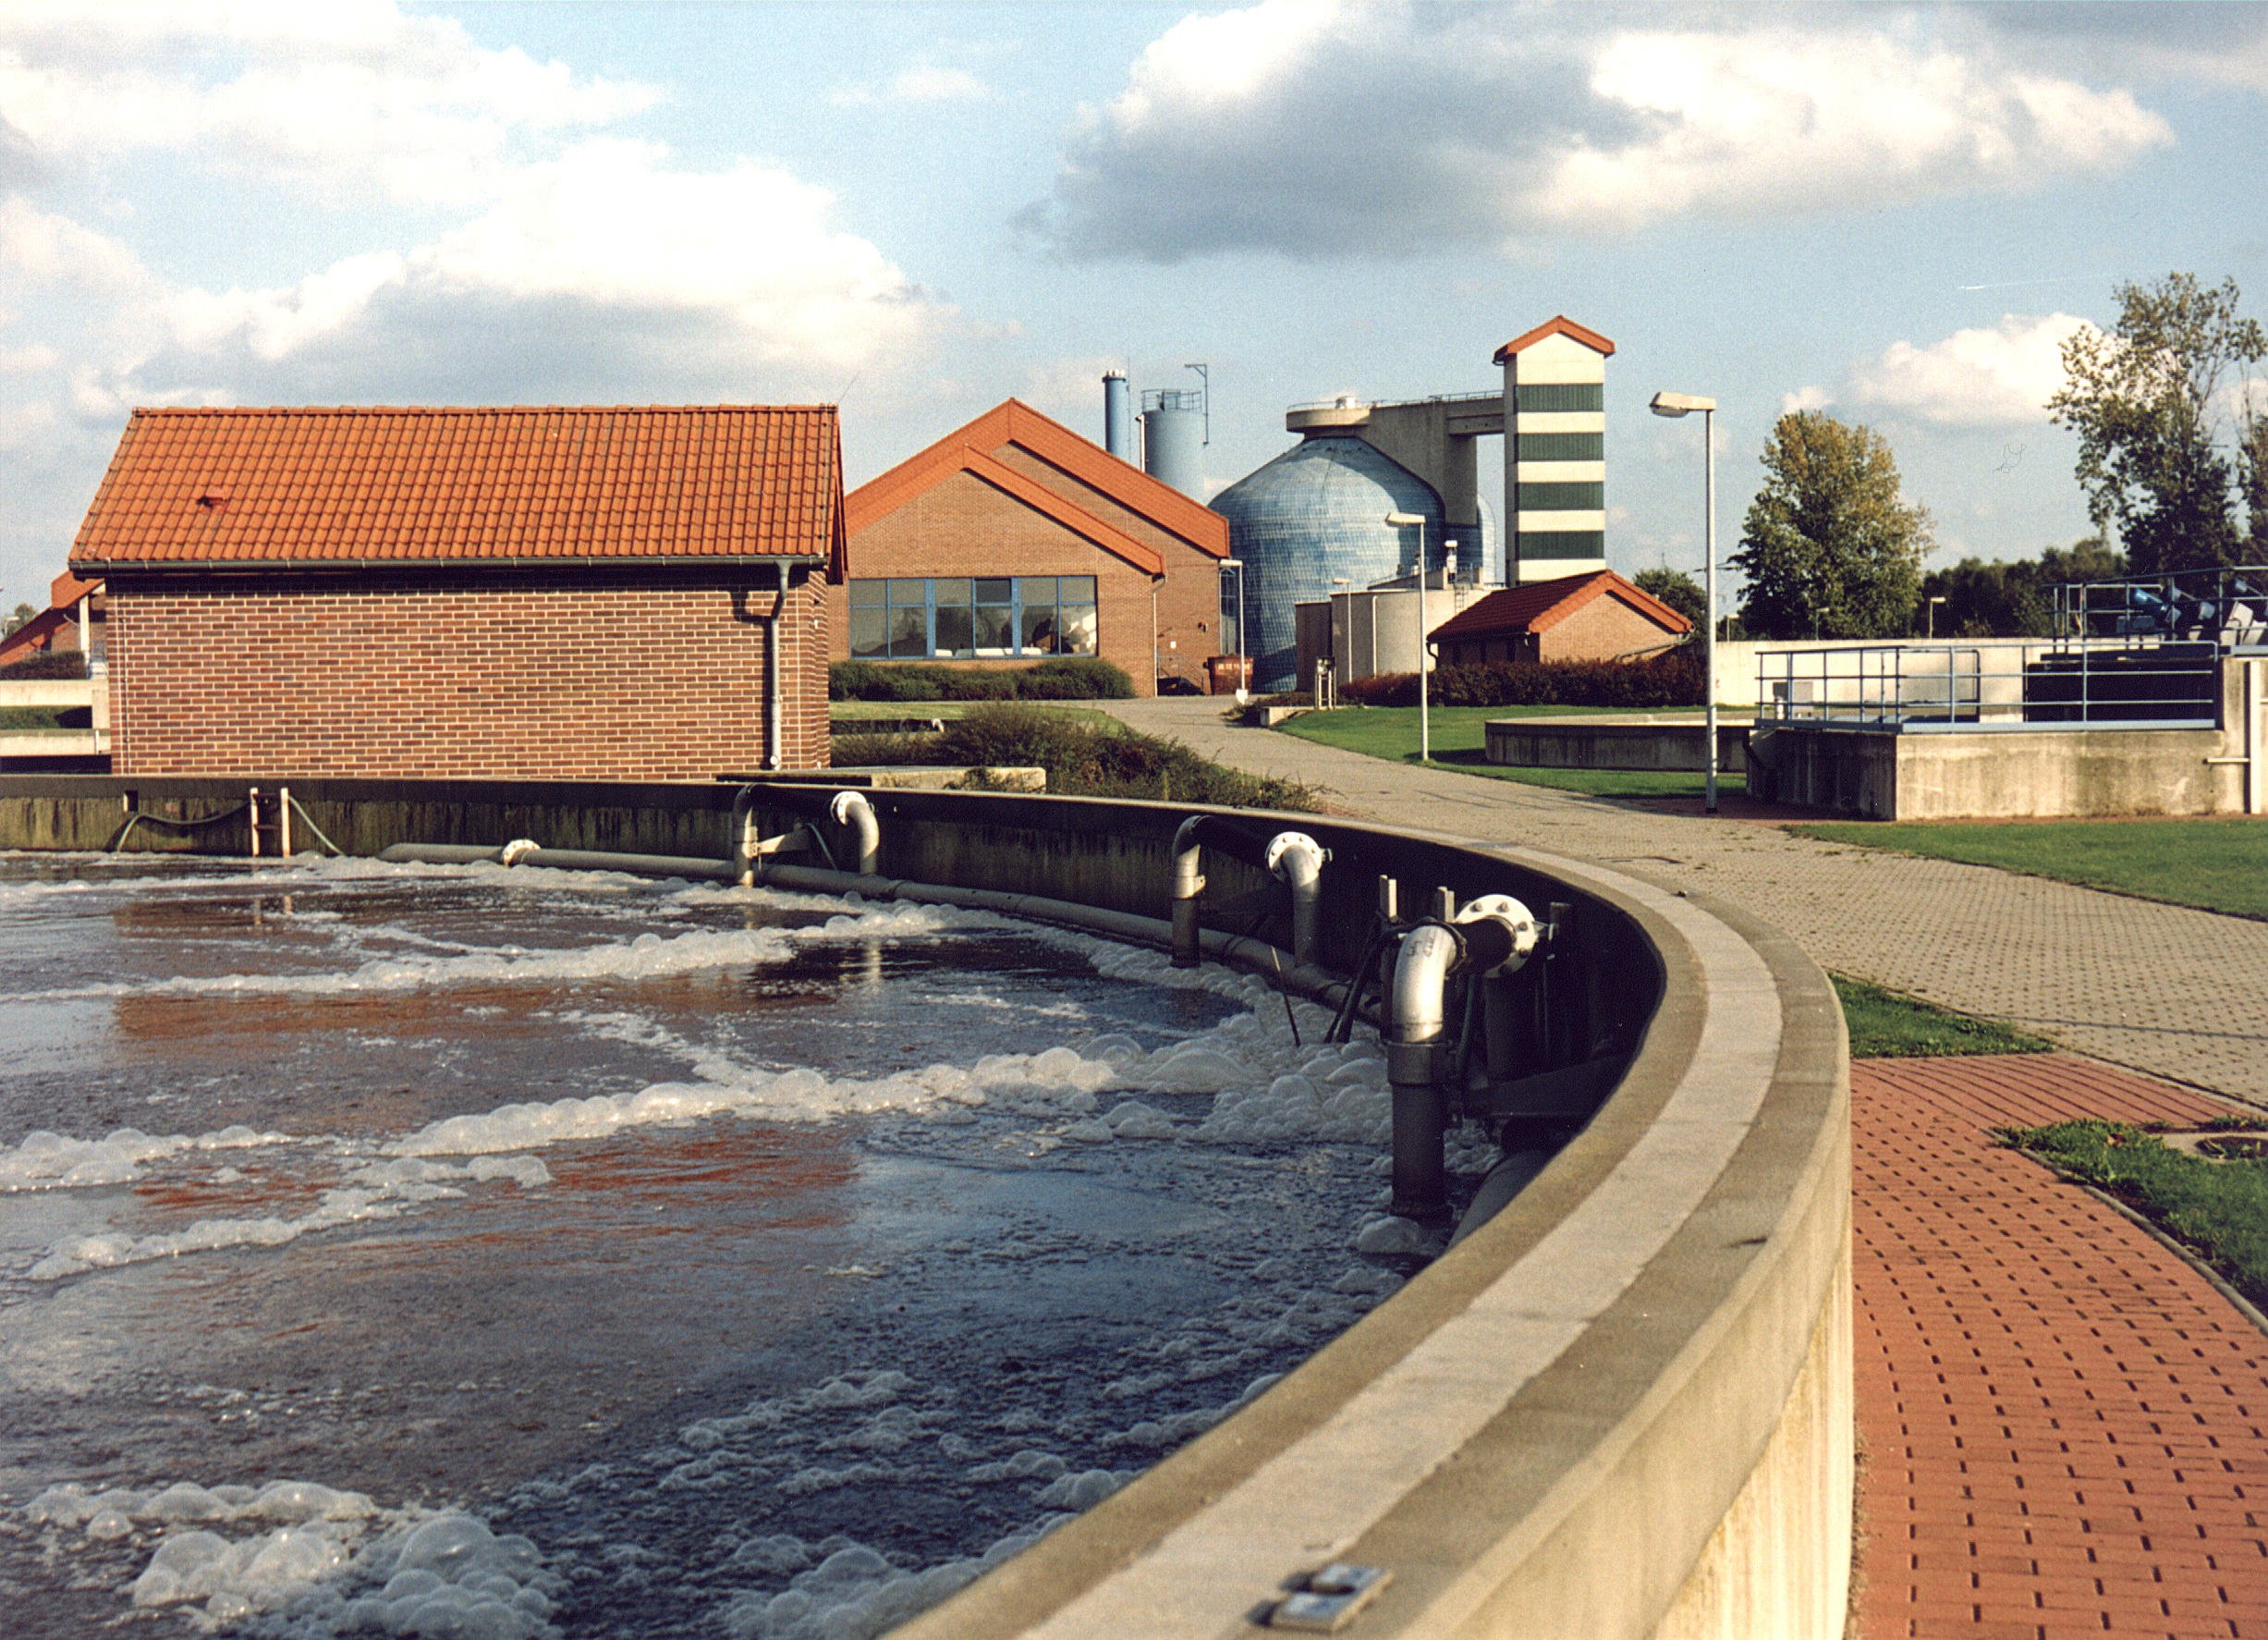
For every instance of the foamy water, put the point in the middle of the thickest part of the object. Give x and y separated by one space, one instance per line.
435 1251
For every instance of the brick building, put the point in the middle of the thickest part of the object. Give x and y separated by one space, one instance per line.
1596 617
1013 539
596 593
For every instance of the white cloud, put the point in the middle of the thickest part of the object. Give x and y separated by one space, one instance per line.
924 83
26 360
1804 399
2000 376
1319 129
41 248
347 94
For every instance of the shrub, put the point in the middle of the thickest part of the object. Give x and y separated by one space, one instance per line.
1673 680
45 664
1064 677
1081 759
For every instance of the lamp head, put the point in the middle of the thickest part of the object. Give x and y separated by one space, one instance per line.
1680 404
1403 521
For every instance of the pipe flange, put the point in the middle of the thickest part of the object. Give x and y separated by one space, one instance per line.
1288 842
1516 919
845 804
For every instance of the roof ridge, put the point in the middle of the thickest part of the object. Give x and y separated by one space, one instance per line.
186 411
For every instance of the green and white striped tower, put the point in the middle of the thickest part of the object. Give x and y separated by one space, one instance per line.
1554 469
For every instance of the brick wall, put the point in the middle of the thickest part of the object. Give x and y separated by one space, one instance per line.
964 526
579 674
1600 631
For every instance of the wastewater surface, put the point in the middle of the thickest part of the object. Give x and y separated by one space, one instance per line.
408 1250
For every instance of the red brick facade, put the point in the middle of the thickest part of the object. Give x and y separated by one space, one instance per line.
651 674
1015 493
966 527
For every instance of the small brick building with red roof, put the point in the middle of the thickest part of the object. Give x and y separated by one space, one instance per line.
1013 539
1576 618
596 593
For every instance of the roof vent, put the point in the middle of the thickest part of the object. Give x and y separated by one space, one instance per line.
212 501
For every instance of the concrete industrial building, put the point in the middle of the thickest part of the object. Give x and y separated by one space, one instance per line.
633 594
1311 522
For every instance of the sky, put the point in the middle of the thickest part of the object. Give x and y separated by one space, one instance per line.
1894 214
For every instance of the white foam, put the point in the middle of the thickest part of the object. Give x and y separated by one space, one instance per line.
855 1593
375 1190
43 1160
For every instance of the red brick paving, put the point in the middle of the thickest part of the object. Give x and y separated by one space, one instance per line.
2065 1428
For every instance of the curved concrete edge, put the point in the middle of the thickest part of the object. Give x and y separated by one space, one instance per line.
1621 1408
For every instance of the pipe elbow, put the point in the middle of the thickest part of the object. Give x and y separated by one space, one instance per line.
850 809
1421 981
1189 858
1501 933
1296 858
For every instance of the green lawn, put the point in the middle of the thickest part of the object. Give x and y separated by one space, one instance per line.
1890 1026
2220 865
2217 1208
1457 734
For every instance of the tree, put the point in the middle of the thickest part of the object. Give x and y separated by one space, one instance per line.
2252 483
2017 599
1677 589
1829 548
24 612
2144 400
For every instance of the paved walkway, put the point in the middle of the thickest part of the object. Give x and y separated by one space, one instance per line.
2064 1427
2182 994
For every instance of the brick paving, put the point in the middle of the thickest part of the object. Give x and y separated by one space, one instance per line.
2065 1428
2174 992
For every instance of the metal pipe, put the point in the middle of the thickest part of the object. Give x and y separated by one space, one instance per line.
644 865
1188 883
851 809
1419 1011
1297 860
776 713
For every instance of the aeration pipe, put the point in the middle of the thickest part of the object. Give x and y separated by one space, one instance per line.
850 809
1293 858
1489 939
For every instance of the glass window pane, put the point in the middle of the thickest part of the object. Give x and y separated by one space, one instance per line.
949 591
904 591
1039 630
869 634
994 633
908 632
996 589
868 591
954 631
1075 589
1078 628
1035 588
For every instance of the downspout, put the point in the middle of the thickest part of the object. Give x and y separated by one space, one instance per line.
775 708
1157 664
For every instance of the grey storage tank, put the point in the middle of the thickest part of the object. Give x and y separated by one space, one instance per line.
1312 522
1118 423
1174 437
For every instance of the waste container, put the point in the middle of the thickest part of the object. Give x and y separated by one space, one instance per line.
1226 674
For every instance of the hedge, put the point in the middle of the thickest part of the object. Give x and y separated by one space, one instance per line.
1066 677
1673 680
45 664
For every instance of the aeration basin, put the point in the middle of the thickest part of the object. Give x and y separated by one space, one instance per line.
1619 1406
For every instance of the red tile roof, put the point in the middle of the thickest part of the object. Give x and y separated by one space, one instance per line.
1541 604
1558 324
1012 421
383 485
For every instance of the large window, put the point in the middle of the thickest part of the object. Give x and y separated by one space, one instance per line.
973 616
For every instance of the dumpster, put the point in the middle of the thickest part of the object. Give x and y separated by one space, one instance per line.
1226 674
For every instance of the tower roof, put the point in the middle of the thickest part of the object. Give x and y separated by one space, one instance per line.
1558 324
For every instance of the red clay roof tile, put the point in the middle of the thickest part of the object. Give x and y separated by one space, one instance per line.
1542 604
492 485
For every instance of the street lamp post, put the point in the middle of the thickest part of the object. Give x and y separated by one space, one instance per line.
1931 635
1685 404
1402 521
1237 565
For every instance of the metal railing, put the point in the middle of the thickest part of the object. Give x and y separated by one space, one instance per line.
2226 607
2128 682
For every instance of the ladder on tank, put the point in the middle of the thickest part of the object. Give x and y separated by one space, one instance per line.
270 822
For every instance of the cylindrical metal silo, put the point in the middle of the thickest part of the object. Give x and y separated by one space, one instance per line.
1117 417
1312 522
1174 438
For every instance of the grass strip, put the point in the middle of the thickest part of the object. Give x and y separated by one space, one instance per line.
2218 1209
1890 1025
1459 739
2215 864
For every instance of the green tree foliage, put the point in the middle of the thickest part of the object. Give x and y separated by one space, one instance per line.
1829 547
2144 398
24 612
1677 589
2012 600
